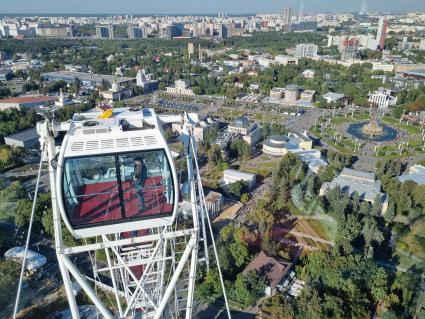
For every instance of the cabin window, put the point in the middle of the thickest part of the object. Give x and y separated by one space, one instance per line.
116 188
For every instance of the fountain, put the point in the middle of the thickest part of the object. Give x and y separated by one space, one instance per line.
373 128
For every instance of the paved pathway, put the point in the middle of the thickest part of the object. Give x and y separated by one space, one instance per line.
315 238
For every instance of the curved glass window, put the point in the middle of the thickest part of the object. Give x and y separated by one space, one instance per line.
116 188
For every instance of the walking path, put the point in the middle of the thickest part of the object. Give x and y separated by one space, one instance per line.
315 238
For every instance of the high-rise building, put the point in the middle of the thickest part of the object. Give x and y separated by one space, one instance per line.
174 30
53 31
287 18
134 32
306 49
105 32
225 30
382 32
349 49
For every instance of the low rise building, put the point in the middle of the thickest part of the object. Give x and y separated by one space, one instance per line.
309 74
277 93
383 98
414 74
271 269
415 174
202 125
308 96
297 143
306 49
231 176
365 184
265 62
117 94
33 260
27 139
64 101
146 81
250 132
6 74
332 97
285 59
26 102
292 93
86 79
214 202
181 87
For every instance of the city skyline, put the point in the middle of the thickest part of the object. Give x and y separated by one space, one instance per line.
195 7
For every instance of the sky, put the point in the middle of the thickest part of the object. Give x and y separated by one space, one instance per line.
200 6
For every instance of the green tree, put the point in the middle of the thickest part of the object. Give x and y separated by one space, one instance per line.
75 86
309 304
240 253
280 308
248 288
238 188
168 134
371 233
214 154
244 198
9 274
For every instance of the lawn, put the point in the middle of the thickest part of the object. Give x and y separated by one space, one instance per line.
395 122
341 120
326 225
211 176
319 229
392 151
264 170
345 145
361 116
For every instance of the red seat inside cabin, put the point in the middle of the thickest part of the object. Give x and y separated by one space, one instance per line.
102 202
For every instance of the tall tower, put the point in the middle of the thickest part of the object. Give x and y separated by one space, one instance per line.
382 32
287 16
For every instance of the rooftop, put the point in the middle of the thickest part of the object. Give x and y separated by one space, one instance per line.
364 184
415 72
34 261
333 96
238 174
292 87
276 141
87 76
24 135
5 71
241 121
28 99
269 267
416 174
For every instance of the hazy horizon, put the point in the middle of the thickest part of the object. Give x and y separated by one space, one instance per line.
150 7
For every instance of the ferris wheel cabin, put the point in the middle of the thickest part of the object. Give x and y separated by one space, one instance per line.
115 174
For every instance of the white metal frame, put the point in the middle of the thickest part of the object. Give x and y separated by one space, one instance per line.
163 263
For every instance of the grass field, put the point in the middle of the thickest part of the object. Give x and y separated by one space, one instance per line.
211 176
395 122
324 224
